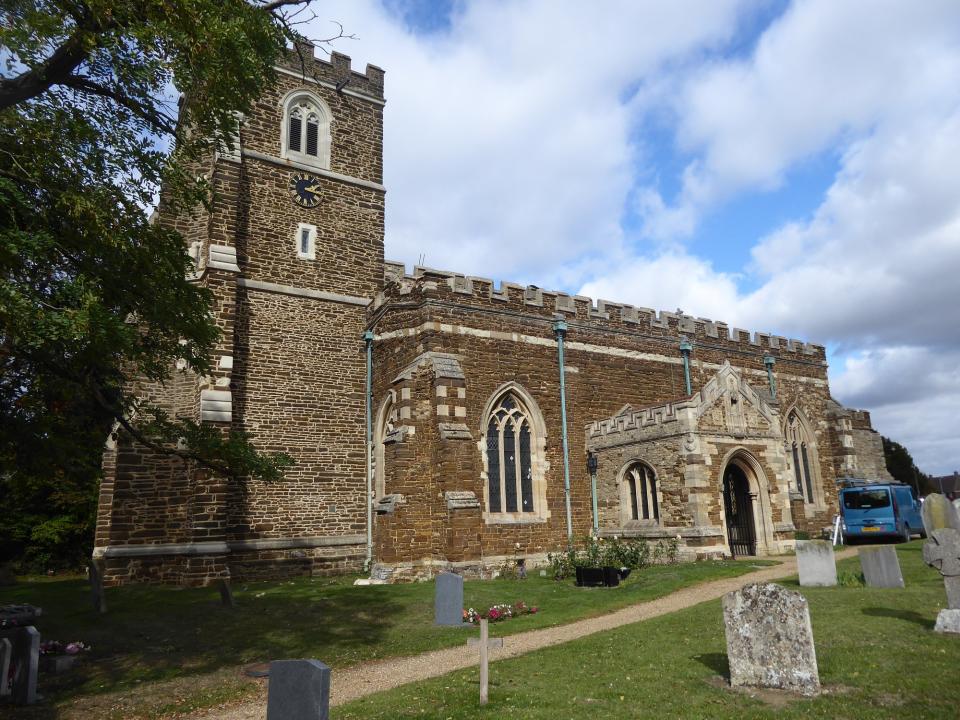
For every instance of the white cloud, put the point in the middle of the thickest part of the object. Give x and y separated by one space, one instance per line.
507 140
511 151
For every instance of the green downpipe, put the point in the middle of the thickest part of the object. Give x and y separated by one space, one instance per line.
685 348
368 338
769 360
592 463
560 328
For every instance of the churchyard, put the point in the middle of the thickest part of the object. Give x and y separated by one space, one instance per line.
877 652
869 635
160 650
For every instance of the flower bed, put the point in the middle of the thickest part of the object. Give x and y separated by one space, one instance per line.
499 613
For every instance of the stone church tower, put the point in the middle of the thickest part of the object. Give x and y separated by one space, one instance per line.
487 440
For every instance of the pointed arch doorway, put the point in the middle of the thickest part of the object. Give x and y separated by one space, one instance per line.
738 510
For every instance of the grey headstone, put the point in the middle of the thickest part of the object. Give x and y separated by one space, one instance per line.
938 512
25 658
6 575
881 567
298 690
97 596
448 600
816 563
226 594
6 655
948 621
770 639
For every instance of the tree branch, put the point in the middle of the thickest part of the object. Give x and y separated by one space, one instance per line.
64 60
158 121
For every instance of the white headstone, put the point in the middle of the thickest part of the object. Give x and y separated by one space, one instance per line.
816 563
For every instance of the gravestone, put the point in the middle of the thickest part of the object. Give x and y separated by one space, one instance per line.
942 551
298 690
448 601
485 643
770 639
938 512
816 563
6 655
881 567
226 593
97 595
24 663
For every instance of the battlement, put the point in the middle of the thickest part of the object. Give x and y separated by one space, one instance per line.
302 59
426 281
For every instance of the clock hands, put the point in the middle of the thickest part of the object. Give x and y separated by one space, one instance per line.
315 189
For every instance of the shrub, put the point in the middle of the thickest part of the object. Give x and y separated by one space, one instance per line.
613 552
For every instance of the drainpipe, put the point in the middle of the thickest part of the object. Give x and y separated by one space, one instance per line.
685 348
769 360
560 328
592 468
368 338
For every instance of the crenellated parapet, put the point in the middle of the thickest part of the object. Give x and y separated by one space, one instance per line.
401 286
336 71
630 420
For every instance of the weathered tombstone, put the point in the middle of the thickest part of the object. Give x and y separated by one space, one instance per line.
485 644
770 639
97 595
226 594
938 512
24 663
448 601
942 551
6 575
881 567
6 655
816 563
298 690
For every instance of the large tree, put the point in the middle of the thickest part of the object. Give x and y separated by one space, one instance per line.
92 294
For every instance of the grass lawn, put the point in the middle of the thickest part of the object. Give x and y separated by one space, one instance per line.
152 635
877 653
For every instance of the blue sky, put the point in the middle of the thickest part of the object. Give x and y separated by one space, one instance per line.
785 166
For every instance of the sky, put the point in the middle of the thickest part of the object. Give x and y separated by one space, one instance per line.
785 167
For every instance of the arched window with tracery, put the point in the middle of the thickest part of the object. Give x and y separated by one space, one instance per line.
802 450
640 493
513 458
306 130
383 433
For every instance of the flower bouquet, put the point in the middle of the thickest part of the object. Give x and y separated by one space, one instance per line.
498 613
58 657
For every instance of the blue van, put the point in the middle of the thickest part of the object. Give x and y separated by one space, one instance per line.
882 509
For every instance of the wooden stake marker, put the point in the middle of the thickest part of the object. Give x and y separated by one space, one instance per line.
485 644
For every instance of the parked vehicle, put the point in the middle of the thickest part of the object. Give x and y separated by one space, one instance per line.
878 510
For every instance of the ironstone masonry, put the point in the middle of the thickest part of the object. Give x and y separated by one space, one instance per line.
467 462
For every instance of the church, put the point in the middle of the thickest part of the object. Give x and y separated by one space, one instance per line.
440 421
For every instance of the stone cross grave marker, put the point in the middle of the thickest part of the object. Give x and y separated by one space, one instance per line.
881 567
816 564
770 639
97 596
448 601
298 690
942 551
938 512
485 644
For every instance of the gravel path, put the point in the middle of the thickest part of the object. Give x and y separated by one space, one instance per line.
372 677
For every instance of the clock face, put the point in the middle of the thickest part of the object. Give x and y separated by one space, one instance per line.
305 189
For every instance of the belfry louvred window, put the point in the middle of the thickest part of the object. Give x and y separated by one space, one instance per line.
307 130
509 466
